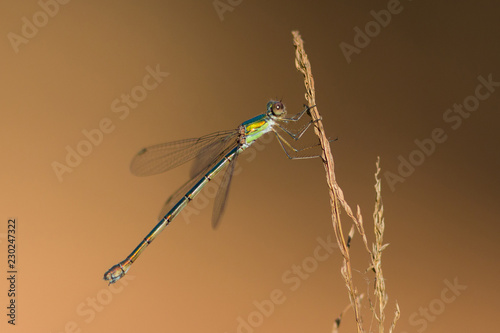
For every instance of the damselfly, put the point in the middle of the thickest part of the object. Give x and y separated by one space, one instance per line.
211 153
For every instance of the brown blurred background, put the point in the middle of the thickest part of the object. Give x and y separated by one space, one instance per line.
64 70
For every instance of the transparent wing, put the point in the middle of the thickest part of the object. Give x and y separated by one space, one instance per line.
223 192
210 152
174 198
162 157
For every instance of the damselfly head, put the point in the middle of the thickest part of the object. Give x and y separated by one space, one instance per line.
276 108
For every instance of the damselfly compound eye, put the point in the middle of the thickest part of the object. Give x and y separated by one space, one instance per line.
278 109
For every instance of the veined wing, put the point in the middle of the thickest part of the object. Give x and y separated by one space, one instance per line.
223 192
174 198
162 157
210 153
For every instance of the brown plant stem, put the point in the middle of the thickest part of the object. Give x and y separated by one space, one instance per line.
336 194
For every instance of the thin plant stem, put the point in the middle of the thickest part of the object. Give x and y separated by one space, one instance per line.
336 198
336 194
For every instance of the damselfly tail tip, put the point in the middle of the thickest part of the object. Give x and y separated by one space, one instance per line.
116 272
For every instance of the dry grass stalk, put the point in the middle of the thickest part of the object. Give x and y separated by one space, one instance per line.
336 196
376 254
397 313
337 321
378 247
